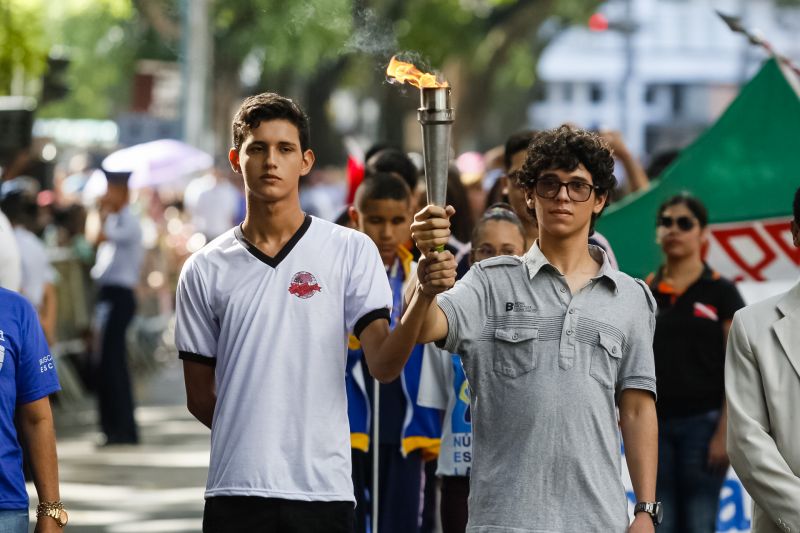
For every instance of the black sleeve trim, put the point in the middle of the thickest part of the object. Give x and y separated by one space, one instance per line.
368 319
197 358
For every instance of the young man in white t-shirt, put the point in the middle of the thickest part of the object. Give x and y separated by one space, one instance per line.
263 315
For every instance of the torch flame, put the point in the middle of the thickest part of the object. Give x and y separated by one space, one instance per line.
402 72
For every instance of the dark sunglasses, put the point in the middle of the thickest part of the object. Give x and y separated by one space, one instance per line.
684 223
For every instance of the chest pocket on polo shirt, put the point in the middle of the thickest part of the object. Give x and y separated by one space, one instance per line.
606 358
515 351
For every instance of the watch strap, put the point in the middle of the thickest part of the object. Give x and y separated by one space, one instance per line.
651 508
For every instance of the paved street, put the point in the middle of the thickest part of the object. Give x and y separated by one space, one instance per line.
156 487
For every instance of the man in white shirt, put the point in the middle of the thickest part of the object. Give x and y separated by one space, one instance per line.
263 315
37 279
10 273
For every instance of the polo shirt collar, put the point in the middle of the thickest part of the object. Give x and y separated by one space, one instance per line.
534 260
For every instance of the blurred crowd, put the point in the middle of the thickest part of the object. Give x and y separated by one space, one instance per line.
55 251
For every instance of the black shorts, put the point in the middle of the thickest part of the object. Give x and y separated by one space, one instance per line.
252 514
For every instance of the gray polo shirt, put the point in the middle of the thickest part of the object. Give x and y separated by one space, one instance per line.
546 368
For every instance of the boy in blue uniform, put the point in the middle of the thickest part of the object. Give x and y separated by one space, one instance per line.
27 377
408 432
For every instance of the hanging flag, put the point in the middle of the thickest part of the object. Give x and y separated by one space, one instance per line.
744 168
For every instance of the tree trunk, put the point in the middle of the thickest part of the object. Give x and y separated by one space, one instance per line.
472 87
326 141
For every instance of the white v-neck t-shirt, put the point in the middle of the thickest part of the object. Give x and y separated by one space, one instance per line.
276 330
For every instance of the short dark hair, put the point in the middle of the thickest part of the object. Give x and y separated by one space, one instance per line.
565 148
375 148
381 186
516 143
796 206
393 160
660 162
20 208
500 212
269 106
692 203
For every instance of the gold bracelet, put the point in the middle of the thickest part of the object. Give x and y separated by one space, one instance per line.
54 510
44 508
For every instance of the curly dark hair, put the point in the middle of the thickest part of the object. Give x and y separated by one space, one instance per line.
269 106
564 148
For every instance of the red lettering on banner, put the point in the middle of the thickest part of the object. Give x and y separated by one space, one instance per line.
777 230
725 236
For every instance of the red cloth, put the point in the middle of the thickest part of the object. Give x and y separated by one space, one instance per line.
355 175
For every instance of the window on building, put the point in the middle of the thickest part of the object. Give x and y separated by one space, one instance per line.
595 93
678 99
650 94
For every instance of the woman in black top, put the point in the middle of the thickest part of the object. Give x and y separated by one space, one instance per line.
695 309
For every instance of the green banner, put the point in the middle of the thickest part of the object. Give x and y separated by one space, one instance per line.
745 168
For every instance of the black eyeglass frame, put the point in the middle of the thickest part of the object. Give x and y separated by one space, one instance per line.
596 188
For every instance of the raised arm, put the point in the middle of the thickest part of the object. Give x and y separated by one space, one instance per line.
387 352
637 177
119 228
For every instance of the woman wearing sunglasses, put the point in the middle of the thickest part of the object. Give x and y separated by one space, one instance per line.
695 309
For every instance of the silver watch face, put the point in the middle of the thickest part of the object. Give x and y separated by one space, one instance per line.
659 513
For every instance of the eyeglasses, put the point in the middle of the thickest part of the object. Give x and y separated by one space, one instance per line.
684 223
578 191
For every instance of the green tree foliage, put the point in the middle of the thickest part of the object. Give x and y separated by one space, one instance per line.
23 48
103 39
307 49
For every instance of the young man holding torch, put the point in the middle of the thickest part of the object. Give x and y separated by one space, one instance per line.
263 315
552 343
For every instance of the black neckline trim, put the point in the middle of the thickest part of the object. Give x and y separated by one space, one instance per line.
264 258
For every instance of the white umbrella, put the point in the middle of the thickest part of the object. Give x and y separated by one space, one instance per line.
157 163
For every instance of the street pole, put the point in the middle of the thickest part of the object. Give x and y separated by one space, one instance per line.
197 60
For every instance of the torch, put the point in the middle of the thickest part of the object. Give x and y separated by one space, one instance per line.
436 118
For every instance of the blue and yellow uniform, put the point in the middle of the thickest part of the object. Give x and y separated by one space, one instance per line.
408 432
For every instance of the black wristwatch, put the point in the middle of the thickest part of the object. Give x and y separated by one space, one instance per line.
654 509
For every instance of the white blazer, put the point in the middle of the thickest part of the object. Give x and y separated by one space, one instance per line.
762 384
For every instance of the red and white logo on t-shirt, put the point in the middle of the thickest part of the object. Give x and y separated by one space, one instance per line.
706 311
304 285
